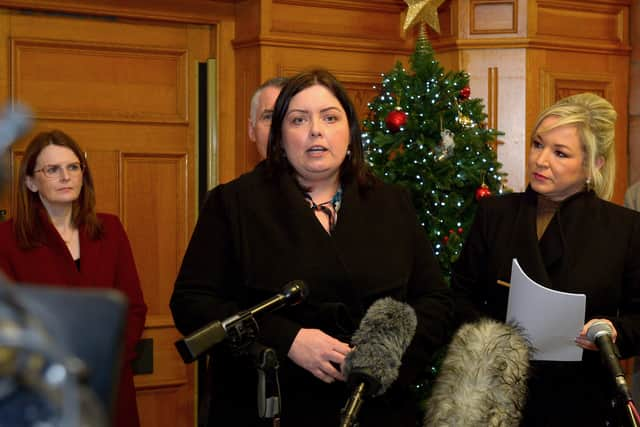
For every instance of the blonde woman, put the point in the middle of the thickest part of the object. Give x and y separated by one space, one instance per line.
568 237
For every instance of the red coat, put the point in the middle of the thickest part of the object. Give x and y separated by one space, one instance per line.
104 263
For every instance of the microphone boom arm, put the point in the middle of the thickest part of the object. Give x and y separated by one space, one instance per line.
240 331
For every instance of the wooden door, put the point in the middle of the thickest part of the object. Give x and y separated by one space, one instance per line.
126 91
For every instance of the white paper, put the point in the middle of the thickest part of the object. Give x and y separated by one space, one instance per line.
551 319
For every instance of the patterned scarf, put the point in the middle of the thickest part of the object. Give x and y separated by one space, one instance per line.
329 208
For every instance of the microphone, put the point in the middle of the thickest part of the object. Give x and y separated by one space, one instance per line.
385 332
237 326
482 380
600 334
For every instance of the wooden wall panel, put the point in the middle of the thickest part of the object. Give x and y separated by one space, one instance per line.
122 83
167 397
493 17
126 92
187 11
169 371
321 19
105 170
598 22
154 209
556 85
227 137
250 73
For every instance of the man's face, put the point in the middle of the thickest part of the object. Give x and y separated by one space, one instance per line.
259 132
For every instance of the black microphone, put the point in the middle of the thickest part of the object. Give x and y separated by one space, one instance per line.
600 334
194 345
385 332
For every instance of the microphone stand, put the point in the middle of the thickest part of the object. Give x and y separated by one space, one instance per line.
266 362
626 401
240 333
350 411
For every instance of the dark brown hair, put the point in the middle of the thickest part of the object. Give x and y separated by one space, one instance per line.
354 166
28 224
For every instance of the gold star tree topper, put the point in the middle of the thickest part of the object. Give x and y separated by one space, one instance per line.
423 11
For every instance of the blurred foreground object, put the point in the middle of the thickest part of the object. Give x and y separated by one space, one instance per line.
483 378
15 121
56 370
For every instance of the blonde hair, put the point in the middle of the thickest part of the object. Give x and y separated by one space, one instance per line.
594 119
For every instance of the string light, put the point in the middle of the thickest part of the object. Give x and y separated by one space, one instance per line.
443 187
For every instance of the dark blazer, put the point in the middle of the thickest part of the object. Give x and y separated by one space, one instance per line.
104 263
591 246
254 235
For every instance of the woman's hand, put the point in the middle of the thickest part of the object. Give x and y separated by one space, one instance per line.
585 343
317 352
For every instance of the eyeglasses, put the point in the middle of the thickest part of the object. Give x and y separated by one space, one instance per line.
54 171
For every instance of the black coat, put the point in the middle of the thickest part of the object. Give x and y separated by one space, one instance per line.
591 246
254 235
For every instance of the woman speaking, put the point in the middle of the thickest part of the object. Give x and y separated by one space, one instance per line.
313 212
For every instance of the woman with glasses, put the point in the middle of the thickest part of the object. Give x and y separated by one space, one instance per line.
57 238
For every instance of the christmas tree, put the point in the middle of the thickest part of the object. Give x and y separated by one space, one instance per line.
424 131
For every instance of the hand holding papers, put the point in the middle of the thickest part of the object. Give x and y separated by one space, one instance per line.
552 319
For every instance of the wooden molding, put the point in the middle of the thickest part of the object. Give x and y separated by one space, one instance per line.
187 11
543 43
159 321
345 77
392 6
503 14
586 22
492 103
299 41
44 71
556 85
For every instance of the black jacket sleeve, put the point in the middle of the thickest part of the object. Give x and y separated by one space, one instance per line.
209 283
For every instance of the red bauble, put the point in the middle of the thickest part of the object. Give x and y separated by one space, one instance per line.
465 93
482 192
395 120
